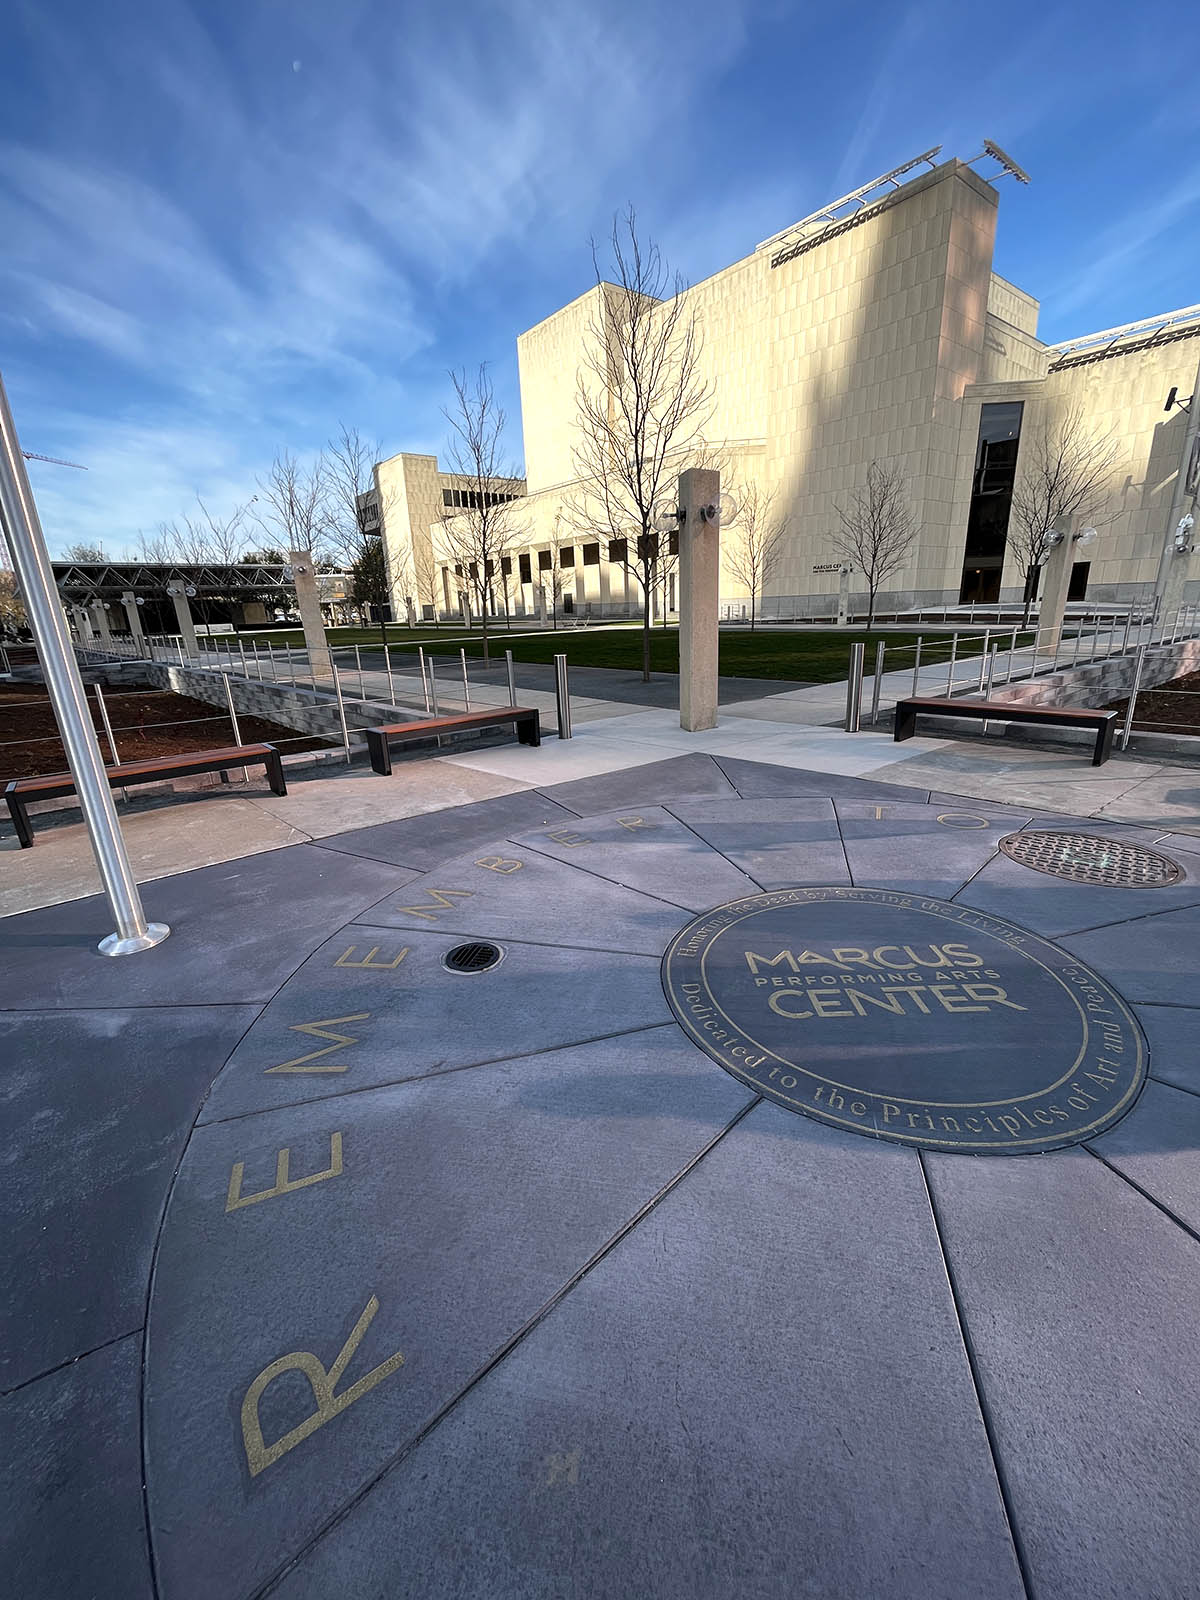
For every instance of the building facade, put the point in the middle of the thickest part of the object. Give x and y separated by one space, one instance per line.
875 330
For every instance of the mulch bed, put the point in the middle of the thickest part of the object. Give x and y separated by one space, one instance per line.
1172 707
146 723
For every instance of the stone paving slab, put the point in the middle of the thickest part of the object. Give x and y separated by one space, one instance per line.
100 1104
421 842
1080 1298
71 1482
237 931
653 1343
762 1392
462 1203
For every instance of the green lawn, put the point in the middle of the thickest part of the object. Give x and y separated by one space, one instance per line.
805 657
802 655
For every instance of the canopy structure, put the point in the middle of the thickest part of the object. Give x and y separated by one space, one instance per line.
82 581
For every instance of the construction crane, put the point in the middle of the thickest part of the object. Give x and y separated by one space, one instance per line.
55 461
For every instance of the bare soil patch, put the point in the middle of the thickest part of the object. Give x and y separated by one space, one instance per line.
1172 707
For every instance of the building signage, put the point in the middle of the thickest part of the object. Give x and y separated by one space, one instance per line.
906 1018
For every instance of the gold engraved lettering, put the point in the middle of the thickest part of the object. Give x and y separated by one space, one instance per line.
259 1454
562 1468
500 863
571 841
962 819
633 823
320 1030
878 813
437 899
235 1199
376 966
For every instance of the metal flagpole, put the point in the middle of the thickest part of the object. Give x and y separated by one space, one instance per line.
27 546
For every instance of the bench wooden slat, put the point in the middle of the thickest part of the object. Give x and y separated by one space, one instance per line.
54 786
1009 711
525 720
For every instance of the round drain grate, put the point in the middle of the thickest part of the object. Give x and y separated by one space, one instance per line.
473 958
1091 858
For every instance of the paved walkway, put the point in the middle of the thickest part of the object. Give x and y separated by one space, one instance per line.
330 1269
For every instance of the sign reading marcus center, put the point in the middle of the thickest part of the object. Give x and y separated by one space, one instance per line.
906 1018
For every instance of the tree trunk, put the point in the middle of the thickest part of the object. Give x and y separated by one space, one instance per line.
647 624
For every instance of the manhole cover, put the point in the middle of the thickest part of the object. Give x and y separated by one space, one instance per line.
906 1018
473 958
1091 858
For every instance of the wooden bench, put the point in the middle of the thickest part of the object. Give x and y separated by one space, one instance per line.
379 740
54 786
1103 722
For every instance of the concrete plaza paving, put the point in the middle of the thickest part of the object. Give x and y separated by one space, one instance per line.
332 1270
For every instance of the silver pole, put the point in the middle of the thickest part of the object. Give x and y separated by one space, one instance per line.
257 661
432 691
880 649
563 698
179 647
424 677
916 664
1012 655
1128 624
112 743
466 685
242 656
237 732
31 563
512 678
1139 663
387 667
337 684
989 677
358 663
854 688
950 674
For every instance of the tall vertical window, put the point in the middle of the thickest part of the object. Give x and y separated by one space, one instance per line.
991 500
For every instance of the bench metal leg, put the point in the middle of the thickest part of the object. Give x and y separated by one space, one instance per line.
529 730
275 773
1104 743
905 724
381 756
20 821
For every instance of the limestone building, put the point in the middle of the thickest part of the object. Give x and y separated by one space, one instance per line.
873 330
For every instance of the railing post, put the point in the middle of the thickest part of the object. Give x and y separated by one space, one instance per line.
1139 663
466 685
424 679
916 664
271 660
341 704
880 650
512 678
358 665
387 667
1128 624
562 696
950 673
854 688
1012 656
433 694
112 743
237 732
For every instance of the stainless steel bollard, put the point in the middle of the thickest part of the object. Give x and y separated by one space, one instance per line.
854 688
512 678
880 650
562 697
387 667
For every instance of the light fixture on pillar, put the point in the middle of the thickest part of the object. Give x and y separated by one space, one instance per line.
1084 536
667 518
722 510
1183 535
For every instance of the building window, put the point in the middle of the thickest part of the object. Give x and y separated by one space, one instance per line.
991 500
506 566
545 561
566 556
618 550
591 555
447 498
526 569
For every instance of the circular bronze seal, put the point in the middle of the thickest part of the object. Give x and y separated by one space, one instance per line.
906 1018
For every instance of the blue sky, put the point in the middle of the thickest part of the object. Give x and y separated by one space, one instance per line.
225 228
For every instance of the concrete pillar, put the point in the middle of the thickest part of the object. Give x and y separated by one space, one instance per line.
100 621
183 618
133 613
83 624
699 588
1181 566
308 603
1056 580
410 612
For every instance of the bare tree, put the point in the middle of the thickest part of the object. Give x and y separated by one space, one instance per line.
12 607
641 406
1063 471
482 528
759 537
293 504
84 552
426 573
878 528
355 538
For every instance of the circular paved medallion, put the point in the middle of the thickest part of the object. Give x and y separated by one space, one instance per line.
906 1018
